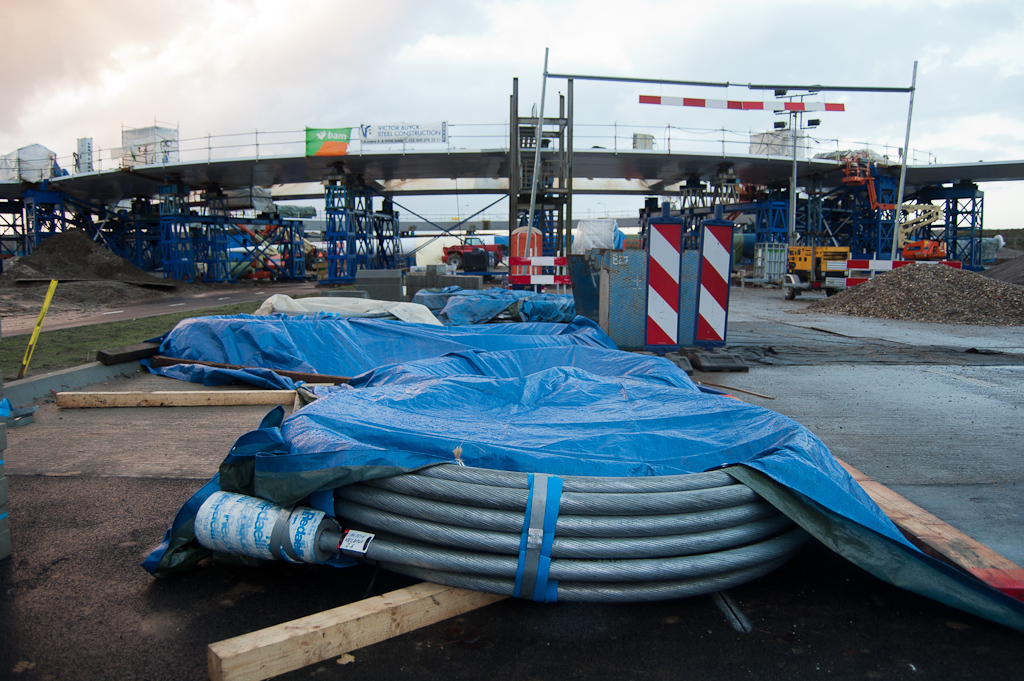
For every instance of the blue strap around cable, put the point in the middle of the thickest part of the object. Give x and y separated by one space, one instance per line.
538 534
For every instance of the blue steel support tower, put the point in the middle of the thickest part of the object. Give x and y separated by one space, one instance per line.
771 220
964 207
176 251
211 244
12 226
348 232
46 215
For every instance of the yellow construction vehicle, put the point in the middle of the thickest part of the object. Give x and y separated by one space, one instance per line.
806 270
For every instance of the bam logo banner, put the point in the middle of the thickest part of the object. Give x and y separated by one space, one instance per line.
327 141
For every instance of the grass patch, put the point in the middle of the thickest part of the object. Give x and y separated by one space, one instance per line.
66 348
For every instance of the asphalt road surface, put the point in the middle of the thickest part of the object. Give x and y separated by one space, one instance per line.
91 492
23 324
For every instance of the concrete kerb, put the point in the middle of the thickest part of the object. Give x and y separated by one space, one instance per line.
27 390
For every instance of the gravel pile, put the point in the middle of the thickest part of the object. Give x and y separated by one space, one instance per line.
73 256
930 293
1011 271
91 278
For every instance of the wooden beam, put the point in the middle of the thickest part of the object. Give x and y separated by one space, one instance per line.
153 283
164 361
308 640
175 398
943 541
127 353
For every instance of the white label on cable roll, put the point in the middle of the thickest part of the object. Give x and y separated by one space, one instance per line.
535 537
356 541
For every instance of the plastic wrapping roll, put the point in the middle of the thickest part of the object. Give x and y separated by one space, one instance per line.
247 526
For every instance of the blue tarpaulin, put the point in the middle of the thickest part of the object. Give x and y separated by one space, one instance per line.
347 347
577 408
436 298
456 306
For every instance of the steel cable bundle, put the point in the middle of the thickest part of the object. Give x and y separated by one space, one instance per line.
615 539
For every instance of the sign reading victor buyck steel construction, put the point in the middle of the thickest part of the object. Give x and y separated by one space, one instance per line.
407 133
327 141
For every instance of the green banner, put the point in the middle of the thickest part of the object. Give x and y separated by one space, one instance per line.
327 141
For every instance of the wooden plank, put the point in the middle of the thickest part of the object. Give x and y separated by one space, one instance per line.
164 361
175 398
128 353
943 541
308 640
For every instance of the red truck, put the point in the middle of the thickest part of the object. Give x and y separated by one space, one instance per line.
453 255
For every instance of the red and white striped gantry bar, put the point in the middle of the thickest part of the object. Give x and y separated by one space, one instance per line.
741 105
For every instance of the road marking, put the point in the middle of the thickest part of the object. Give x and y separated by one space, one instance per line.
175 304
223 297
114 312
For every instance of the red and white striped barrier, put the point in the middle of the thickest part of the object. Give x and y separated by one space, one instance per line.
531 266
741 105
663 263
713 301
873 266
883 265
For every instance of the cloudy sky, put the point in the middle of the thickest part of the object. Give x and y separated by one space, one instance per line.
219 67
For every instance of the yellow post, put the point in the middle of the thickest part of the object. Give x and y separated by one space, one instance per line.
35 332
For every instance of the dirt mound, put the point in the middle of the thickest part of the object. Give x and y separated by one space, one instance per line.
930 293
1011 271
73 256
90 278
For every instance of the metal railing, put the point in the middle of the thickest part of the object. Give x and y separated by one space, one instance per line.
495 136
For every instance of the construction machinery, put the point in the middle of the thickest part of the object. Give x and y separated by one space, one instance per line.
925 249
806 269
456 255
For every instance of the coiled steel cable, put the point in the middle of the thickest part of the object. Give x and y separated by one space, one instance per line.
616 539
568 525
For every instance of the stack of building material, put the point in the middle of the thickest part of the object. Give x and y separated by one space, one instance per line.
436 277
381 284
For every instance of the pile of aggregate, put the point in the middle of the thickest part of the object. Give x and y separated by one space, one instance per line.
89 277
73 256
930 293
1011 271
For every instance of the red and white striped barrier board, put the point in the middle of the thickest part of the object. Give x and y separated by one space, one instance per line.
533 264
872 266
663 261
742 106
844 281
713 301
883 265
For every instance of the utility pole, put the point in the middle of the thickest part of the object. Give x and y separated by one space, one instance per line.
903 169
536 151
793 129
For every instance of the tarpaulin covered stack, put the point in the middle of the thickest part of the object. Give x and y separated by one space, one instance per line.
455 306
525 398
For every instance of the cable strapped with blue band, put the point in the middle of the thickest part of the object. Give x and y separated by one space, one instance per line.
538 535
